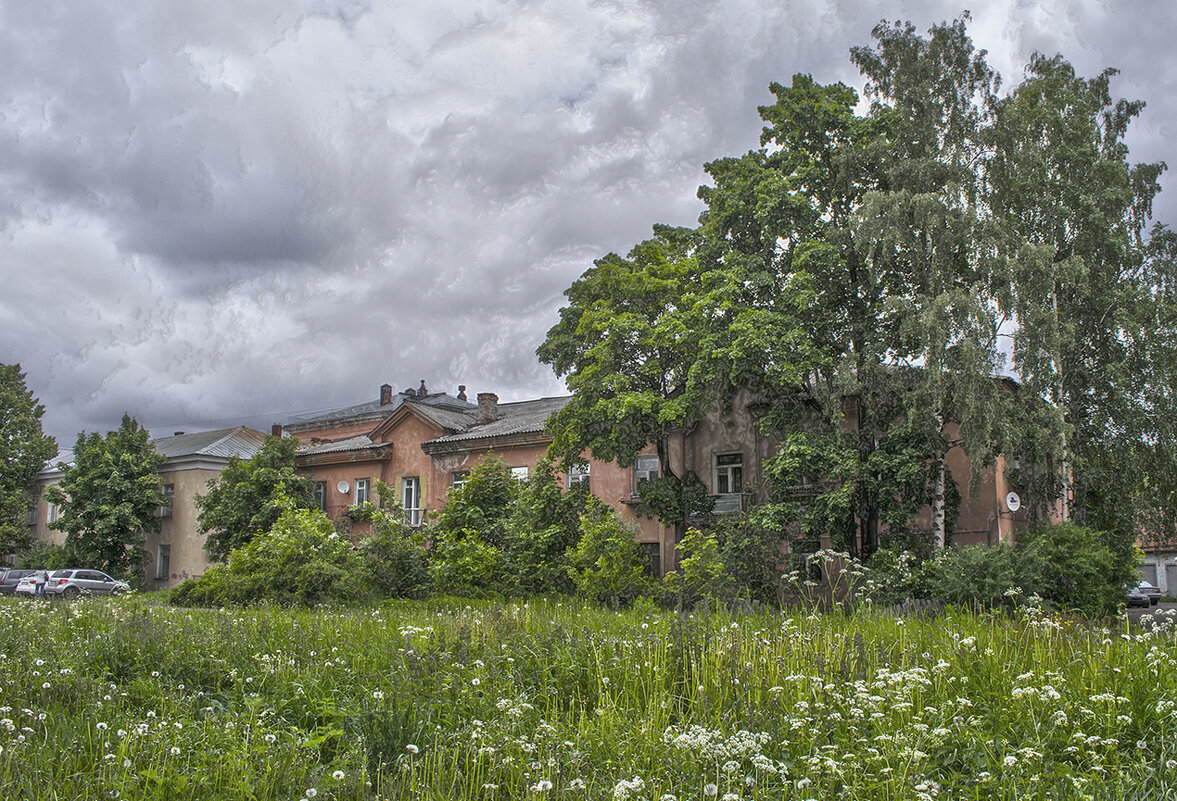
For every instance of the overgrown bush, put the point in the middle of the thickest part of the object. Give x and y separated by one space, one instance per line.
608 564
701 572
542 525
394 552
1075 568
989 576
302 560
462 563
895 574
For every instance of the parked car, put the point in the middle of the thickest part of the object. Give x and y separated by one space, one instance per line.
72 582
1153 592
10 577
1137 598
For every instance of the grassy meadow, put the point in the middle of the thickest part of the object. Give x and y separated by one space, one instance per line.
126 698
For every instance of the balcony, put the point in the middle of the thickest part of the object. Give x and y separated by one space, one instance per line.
730 503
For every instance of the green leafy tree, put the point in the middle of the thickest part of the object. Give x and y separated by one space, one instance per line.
1091 287
250 495
608 564
544 523
628 344
24 450
851 241
109 497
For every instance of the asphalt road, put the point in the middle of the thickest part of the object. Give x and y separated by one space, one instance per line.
1135 613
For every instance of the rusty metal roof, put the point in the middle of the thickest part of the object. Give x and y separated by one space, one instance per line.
521 417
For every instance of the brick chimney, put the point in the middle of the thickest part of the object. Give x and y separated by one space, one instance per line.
385 394
461 392
276 429
488 407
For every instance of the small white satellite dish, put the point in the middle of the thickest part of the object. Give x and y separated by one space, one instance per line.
343 487
1013 502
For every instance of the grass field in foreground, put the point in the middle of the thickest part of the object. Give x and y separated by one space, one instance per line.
545 699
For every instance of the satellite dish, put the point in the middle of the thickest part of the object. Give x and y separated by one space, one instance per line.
343 487
1013 502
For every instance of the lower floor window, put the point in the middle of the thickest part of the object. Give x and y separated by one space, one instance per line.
163 562
411 499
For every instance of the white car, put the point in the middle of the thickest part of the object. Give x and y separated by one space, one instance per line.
71 582
26 586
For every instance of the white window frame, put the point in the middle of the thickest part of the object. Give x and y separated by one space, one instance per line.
458 478
319 495
520 473
645 468
362 490
578 474
169 492
411 499
727 470
52 513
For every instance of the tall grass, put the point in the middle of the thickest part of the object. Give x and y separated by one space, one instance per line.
457 700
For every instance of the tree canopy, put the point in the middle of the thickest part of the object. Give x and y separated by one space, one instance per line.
109 496
250 495
24 450
951 267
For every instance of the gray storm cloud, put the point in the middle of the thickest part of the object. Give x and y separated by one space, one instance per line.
228 212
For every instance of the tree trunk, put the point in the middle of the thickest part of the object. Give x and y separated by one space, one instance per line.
938 532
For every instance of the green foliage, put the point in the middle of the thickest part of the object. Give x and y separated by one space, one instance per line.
701 571
543 524
990 576
395 554
1076 568
497 534
752 557
629 344
109 496
608 564
301 561
24 450
674 500
462 563
249 496
482 504
46 555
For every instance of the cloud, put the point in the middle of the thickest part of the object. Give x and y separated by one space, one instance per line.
225 211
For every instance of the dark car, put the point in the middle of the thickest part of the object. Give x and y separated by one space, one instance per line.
1151 590
1137 598
10 577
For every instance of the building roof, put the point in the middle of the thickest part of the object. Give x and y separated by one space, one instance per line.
513 419
241 442
374 410
357 443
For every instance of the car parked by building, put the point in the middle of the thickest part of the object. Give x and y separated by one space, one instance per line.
72 582
1152 591
1136 597
10 577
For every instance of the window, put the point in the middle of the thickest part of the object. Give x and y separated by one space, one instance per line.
51 514
519 473
729 473
578 474
169 492
644 469
411 499
319 495
458 478
163 562
361 491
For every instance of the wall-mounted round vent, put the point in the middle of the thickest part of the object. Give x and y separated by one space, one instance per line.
343 487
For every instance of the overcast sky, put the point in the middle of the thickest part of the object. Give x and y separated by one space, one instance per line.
232 212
